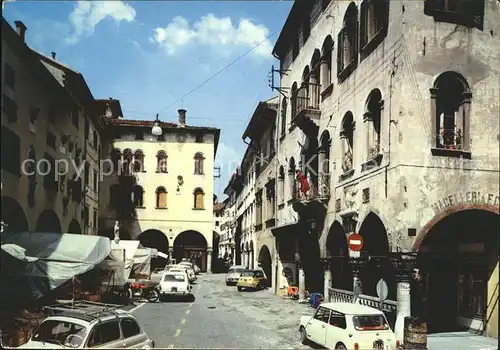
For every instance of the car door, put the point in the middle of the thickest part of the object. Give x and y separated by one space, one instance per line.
336 329
316 327
106 335
133 336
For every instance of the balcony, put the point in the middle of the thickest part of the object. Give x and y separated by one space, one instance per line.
305 107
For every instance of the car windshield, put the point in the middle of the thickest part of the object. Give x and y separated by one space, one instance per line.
248 273
60 333
370 323
173 278
236 270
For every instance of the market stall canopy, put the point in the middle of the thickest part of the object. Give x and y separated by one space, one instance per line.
35 263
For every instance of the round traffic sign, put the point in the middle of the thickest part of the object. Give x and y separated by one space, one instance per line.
355 242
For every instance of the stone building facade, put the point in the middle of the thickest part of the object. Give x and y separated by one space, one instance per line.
42 126
227 227
390 110
160 187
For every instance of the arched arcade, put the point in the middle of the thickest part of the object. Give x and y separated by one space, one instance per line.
266 263
48 222
192 245
337 252
74 227
13 215
158 240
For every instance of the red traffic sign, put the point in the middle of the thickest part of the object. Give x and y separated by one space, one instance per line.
355 242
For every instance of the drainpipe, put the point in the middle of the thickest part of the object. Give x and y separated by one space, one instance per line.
391 121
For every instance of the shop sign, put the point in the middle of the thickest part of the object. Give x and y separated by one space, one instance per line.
471 197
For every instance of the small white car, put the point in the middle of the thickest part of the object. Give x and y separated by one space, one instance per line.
233 275
80 329
344 326
174 284
180 268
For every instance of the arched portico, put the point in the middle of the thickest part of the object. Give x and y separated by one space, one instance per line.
265 261
337 252
191 245
458 260
48 222
376 245
13 215
74 227
158 240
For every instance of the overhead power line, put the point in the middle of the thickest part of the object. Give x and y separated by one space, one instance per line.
219 72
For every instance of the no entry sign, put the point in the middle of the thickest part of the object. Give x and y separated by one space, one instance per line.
355 242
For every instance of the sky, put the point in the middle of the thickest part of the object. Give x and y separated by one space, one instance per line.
149 55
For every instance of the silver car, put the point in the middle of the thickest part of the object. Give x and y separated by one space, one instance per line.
233 275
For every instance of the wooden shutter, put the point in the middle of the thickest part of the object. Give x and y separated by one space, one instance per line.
198 200
162 199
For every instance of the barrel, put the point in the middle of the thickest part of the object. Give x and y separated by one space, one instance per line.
415 334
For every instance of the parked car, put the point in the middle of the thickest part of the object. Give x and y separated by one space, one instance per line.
347 326
174 284
251 279
189 266
233 275
182 269
89 325
157 274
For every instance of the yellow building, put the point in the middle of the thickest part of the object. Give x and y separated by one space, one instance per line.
160 189
43 140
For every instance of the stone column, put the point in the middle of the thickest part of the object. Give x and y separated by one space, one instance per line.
328 280
403 266
170 254
209 260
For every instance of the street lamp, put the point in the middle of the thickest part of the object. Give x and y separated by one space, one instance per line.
156 129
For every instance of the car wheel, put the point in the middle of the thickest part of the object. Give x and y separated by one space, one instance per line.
303 336
240 289
340 347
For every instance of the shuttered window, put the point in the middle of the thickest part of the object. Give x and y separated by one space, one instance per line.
161 198
198 199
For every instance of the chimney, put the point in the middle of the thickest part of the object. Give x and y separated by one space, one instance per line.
53 55
21 30
182 117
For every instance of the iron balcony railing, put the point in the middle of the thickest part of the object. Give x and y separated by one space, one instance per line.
307 97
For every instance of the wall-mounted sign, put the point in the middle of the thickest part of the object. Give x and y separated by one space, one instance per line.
471 197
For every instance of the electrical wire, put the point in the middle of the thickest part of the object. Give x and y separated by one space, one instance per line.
220 71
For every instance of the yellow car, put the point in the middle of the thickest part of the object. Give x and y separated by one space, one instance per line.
251 279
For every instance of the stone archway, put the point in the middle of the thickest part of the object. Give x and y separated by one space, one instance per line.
13 215
458 257
191 245
265 261
338 254
158 240
376 246
74 227
309 252
48 222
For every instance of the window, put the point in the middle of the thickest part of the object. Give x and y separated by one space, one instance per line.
138 161
95 140
9 107
104 333
59 332
198 198
284 106
450 103
198 163
326 62
370 323
161 162
314 82
130 328
291 179
138 196
74 117
281 184
372 121
51 140
347 43
259 274
468 13
10 76
95 219
293 100
49 180
161 197
199 138
96 178
322 315
347 139
338 320
258 204
76 191
216 223
374 20
10 152
127 161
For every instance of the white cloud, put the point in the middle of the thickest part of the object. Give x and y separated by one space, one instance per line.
87 14
212 31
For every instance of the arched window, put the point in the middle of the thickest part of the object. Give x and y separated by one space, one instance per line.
450 106
138 161
284 106
138 196
281 184
373 23
198 163
115 156
291 178
347 139
161 162
326 63
127 161
161 198
315 81
347 52
324 163
372 120
293 94
199 196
